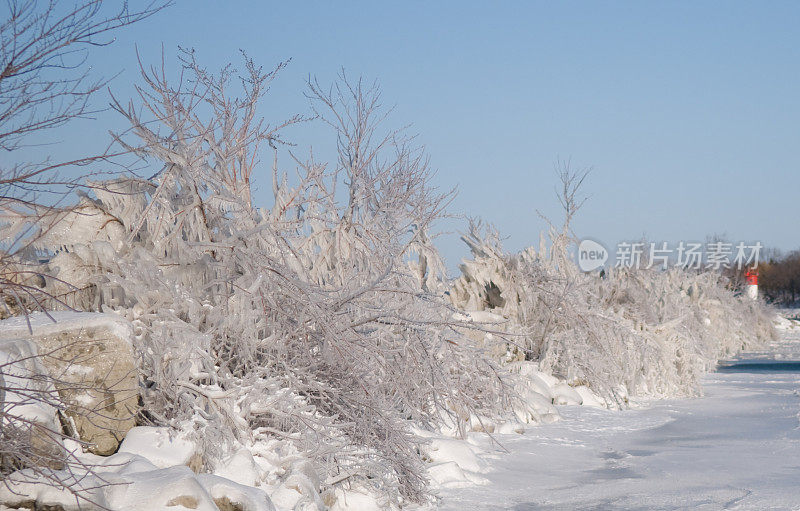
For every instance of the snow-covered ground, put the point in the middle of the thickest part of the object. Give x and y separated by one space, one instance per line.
738 447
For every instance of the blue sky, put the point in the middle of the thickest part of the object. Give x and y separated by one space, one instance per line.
688 111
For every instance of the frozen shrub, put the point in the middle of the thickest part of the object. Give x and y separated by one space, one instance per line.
318 320
628 334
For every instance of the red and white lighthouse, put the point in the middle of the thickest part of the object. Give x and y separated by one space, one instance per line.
752 283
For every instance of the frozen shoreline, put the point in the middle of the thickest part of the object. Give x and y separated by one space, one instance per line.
737 447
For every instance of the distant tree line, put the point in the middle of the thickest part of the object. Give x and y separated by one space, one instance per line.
779 278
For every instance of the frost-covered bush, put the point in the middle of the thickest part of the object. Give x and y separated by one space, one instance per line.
317 320
627 334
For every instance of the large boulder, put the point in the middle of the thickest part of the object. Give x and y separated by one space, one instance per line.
89 360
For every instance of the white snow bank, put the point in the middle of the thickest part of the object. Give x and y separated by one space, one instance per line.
563 394
458 451
456 463
297 492
249 498
128 482
354 500
588 398
449 475
539 391
783 323
162 446
240 467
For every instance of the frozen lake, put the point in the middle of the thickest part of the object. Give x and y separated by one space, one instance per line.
737 447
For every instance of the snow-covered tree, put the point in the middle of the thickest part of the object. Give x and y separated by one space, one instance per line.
630 333
317 320
45 83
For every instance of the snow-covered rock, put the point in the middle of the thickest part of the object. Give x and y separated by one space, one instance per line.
354 500
563 394
300 490
88 358
588 398
240 467
455 450
128 482
231 496
161 446
448 473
